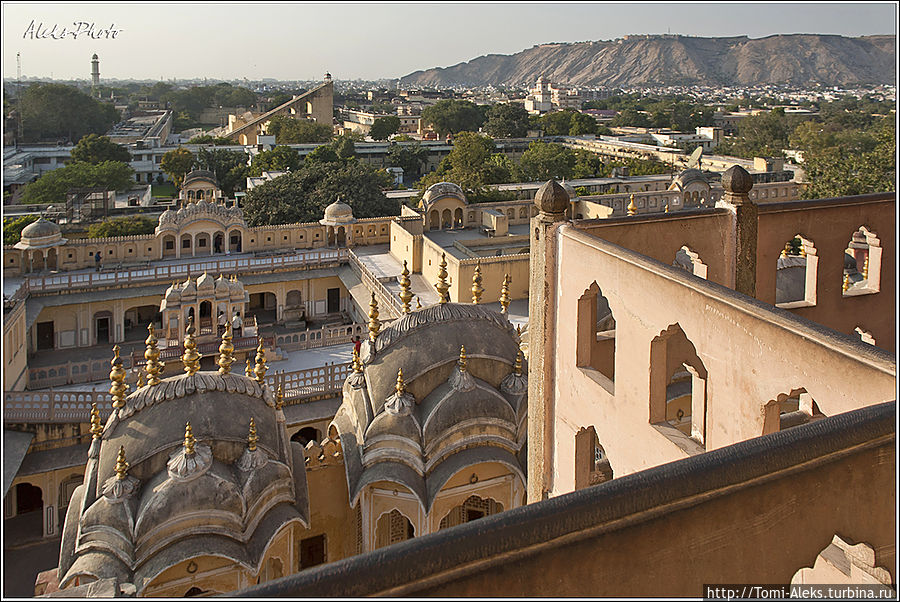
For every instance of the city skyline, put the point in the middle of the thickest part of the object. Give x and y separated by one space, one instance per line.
368 41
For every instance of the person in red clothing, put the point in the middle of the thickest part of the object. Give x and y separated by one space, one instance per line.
357 344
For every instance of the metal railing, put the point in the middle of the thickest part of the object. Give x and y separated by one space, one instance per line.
300 260
75 406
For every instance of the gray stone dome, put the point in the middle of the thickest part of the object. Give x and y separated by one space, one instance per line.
40 234
552 198
442 190
690 175
338 210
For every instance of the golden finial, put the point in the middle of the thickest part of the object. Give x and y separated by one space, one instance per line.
141 382
462 358
401 386
153 367
418 303
357 363
504 293
519 332
188 439
121 465
252 438
249 370
261 367
226 349
441 286
118 389
802 250
667 208
374 323
865 272
477 289
846 282
632 208
191 357
405 293
279 396
519 363
786 249
96 427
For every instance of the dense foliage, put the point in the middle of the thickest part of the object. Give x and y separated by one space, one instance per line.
409 157
507 121
453 116
298 131
52 112
280 158
302 195
97 149
122 226
177 163
53 186
384 127
230 168
12 227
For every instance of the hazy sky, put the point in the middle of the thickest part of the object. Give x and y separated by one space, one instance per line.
371 40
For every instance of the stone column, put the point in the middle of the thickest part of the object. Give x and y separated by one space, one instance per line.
552 201
737 184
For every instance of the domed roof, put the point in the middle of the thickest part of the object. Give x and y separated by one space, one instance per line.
736 180
188 288
690 175
173 293
552 197
222 286
402 423
196 175
40 234
442 190
149 473
338 210
236 287
205 282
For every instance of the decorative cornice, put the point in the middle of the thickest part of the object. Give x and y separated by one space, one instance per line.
443 312
178 387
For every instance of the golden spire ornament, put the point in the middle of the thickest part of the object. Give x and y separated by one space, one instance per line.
462 358
477 289
279 397
118 389
667 208
249 370
121 465
188 439
519 359
153 367
504 293
632 208
441 286
374 323
191 357
786 249
357 362
418 303
846 285
261 367
140 380
405 292
865 271
400 387
96 427
252 439
226 350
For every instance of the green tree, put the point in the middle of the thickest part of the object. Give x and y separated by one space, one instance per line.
323 154
543 161
12 227
53 186
630 118
280 158
453 116
587 165
57 111
467 165
230 167
506 121
97 149
581 124
302 195
344 147
177 163
122 226
557 123
298 131
409 157
383 127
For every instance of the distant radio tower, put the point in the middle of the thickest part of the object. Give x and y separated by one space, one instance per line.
95 74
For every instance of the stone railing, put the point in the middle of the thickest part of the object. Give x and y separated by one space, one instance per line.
299 260
320 337
72 372
386 299
206 349
75 406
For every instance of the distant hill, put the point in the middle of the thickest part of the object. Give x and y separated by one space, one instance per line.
799 59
